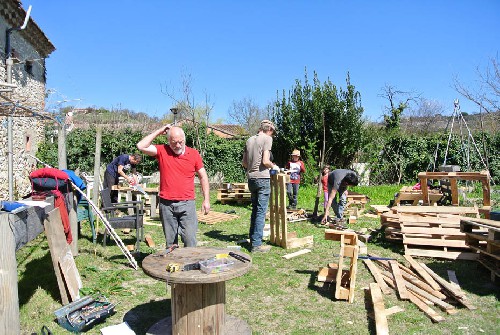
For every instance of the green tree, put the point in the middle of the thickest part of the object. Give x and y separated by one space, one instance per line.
307 112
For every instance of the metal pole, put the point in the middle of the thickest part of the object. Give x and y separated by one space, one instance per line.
10 171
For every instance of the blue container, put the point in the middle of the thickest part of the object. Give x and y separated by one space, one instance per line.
495 216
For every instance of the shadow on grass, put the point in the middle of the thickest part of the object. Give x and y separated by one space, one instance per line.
219 235
144 316
378 239
369 309
325 289
472 276
38 273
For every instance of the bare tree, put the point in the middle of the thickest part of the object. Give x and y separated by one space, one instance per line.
425 117
487 93
188 110
247 114
399 101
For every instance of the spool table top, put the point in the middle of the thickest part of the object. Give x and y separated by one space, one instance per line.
155 266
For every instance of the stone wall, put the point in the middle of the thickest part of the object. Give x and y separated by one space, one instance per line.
28 73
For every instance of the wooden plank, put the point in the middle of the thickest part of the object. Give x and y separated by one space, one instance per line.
435 209
349 238
297 253
423 295
327 275
400 283
299 242
377 276
381 324
442 282
9 299
432 314
57 243
406 229
393 310
422 285
149 241
71 275
435 242
435 317
442 254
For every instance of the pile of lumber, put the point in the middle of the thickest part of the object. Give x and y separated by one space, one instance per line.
430 231
483 236
418 284
235 192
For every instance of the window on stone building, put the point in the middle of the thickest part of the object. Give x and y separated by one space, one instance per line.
28 67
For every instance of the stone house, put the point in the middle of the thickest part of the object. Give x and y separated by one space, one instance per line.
23 101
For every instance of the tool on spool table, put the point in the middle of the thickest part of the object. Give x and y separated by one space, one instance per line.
167 251
173 267
239 257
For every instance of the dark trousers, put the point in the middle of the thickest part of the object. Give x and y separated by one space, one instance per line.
109 182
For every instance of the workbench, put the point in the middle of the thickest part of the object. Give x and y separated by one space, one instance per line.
151 193
198 300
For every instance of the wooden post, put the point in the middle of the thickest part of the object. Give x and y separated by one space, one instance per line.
9 300
61 148
73 222
97 164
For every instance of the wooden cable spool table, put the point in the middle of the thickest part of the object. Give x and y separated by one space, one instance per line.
198 299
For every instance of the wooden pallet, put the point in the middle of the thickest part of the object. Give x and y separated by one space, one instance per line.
438 237
483 236
215 217
279 234
239 195
345 279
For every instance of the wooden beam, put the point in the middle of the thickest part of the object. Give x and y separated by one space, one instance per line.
400 283
377 276
381 324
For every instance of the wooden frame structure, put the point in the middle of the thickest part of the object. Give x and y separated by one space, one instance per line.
345 279
453 177
279 234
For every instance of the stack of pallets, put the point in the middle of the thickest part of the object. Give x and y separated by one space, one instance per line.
429 231
235 192
484 236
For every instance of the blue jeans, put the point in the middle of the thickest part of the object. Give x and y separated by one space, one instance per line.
260 189
339 205
179 218
292 191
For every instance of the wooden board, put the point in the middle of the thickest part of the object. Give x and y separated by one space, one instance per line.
70 274
297 253
59 247
215 217
381 324
279 234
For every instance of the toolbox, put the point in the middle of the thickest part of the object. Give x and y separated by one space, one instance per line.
82 314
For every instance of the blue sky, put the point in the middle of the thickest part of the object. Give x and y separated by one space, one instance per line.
118 54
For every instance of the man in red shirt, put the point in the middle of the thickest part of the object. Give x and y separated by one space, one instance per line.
178 165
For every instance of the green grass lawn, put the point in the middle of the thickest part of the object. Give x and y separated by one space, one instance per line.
277 296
